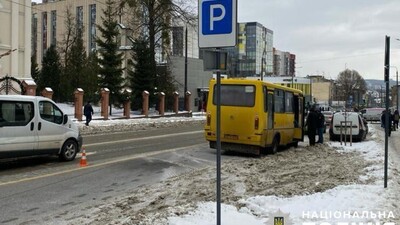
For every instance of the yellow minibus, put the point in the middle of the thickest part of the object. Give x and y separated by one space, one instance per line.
255 115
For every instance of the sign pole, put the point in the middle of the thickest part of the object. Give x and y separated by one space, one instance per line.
217 29
218 137
387 124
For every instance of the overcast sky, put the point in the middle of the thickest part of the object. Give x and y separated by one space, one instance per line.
328 36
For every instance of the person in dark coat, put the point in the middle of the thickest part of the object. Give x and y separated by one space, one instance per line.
88 112
312 124
320 127
396 118
383 121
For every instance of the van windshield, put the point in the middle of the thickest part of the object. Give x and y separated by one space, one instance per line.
236 95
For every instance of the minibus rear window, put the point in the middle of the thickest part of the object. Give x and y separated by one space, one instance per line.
236 95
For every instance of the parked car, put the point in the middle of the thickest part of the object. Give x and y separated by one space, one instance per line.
33 125
372 114
343 121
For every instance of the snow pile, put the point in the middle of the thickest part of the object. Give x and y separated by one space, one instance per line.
297 180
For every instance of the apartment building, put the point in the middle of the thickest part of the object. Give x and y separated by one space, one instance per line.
284 63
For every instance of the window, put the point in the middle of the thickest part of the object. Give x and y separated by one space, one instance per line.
265 93
236 95
279 101
289 102
92 27
53 38
13 113
79 18
49 112
44 31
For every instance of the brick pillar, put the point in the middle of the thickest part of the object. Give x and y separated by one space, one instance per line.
127 109
176 102
127 103
30 87
47 92
161 105
187 101
145 104
78 102
105 100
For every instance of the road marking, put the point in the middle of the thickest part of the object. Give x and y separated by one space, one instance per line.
143 155
143 138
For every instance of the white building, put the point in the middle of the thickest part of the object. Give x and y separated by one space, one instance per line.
15 38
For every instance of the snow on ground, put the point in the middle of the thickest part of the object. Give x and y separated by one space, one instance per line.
325 183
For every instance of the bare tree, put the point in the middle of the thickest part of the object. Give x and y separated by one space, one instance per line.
153 20
350 83
68 37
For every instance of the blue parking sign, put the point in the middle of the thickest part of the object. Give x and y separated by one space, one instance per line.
217 23
217 17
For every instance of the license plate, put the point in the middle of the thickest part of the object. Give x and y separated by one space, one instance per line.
231 137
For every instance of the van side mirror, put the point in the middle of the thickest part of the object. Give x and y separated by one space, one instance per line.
65 119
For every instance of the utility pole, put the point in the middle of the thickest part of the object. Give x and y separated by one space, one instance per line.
186 66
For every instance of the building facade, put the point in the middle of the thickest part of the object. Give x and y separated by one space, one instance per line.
15 39
49 25
284 63
179 40
253 55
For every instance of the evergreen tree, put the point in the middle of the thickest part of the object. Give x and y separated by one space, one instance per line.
110 59
35 72
141 75
76 62
90 78
50 73
166 83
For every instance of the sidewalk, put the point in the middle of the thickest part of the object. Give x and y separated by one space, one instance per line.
118 114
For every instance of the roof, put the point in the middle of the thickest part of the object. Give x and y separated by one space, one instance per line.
22 97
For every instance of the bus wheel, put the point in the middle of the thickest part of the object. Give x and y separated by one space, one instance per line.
275 143
296 144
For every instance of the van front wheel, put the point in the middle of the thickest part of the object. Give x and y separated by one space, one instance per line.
68 151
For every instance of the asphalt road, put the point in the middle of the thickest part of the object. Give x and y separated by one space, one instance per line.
42 190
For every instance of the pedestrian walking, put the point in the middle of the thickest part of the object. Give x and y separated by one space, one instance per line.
88 112
320 127
383 121
396 118
312 123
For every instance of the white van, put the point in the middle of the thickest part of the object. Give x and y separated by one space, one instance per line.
343 121
33 125
372 114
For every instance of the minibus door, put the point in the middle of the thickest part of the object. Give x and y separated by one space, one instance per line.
298 118
271 112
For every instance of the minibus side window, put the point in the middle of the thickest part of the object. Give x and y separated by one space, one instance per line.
279 101
289 102
265 93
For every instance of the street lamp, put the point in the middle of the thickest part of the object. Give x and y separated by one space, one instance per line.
397 87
